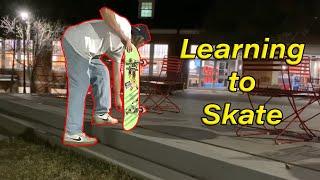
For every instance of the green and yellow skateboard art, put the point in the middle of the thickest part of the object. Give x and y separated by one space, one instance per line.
131 89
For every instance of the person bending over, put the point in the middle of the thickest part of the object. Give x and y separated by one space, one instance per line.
83 44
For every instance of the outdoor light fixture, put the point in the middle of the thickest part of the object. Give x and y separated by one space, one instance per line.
24 15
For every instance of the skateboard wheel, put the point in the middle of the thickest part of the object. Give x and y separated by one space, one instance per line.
142 109
143 62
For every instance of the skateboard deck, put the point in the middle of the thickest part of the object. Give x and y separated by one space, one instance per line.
131 89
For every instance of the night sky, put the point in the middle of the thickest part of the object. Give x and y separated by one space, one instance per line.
167 14
220 16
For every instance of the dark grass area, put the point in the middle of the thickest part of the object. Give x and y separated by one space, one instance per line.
31 158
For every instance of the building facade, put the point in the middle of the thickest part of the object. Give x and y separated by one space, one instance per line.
168 29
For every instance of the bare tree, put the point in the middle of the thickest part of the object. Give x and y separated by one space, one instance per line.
11 27
42 33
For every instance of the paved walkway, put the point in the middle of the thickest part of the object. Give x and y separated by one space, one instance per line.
173 127
188 125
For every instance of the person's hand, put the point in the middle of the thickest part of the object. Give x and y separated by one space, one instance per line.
128 45
118 102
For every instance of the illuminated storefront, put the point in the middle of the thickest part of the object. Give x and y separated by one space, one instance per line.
210 73
214 73
7 48
201 73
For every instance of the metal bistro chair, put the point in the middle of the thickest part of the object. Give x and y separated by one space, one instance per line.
286 132
306 90
163 86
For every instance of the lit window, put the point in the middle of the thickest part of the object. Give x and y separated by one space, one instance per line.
9 45
194 48
57 50
145 54
145 51
1 53
160 51
1 41
58 60
146 9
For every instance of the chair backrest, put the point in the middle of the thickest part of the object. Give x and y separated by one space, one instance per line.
301 74
302 69
172 66
262 71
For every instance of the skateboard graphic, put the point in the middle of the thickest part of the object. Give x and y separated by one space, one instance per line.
131 89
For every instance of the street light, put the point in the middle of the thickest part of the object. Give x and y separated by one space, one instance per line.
13 55
25 17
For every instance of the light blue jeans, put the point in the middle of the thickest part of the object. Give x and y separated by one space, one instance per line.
81 74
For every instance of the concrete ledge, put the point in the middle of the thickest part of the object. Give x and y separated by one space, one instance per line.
140 167
196 159
176 155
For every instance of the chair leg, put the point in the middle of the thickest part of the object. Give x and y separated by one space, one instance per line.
299 137
241 131
166 98
152 91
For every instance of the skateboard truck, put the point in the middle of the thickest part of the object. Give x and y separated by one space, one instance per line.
133 109
133 63
129 85
142 109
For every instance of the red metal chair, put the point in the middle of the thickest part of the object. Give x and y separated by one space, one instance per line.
160 90
305 89
285 133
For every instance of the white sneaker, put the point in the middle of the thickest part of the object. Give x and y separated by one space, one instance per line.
104 118
80 138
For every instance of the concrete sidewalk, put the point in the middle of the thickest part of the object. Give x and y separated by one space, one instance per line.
179 143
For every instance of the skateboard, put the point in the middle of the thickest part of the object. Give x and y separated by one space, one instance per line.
131 89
